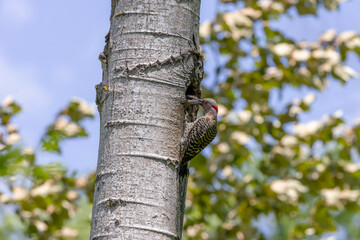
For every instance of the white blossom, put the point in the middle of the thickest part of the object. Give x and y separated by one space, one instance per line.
11 128
289 140
227 171
19 193
2 147
331 196
245 116
60 124
193 230
250 12
357 121
338 113
256 107
205 29
328 36
72 129
240 236
296 101
276 123
278 6
223 147
294 110
310 231
345 36
240 137
353 43
304 71
69 207
310 98
310 128
12 139
4 198
339 130
8 101
320 167
345 72
41 226
334 196
255 51
287 152
81 182
45 189
67 232
85 108
265 4
303 44
301 55
283 49
330 55
235 20
72 195
289 188
325 67
51 209
222 110
28 151
273 72
259 119
351 167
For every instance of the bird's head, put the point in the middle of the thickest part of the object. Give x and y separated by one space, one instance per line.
209 104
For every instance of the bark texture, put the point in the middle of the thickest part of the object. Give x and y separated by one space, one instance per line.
150 62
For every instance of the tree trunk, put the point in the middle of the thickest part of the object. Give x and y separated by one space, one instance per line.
150 62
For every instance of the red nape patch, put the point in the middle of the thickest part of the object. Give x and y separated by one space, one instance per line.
215 107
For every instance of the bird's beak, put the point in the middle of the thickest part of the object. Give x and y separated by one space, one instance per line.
195 99
192 100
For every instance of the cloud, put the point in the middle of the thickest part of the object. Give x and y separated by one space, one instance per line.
18 11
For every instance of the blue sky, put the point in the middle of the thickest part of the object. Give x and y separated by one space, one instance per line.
49 54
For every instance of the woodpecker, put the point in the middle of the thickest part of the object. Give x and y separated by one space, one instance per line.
202 131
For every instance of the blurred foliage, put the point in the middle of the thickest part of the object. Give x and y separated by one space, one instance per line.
67 125
270 176
43 201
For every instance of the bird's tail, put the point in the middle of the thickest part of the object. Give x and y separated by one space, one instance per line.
183 170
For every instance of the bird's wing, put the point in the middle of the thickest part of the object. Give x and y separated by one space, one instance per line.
197 139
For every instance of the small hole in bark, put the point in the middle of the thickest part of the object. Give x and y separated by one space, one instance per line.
190 91
192 110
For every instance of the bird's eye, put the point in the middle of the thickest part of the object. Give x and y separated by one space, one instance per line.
215 107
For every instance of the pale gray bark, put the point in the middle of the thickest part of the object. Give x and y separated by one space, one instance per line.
150 62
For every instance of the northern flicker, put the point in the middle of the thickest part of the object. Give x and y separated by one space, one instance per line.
202 131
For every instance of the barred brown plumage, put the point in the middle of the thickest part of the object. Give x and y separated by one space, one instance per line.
202 132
